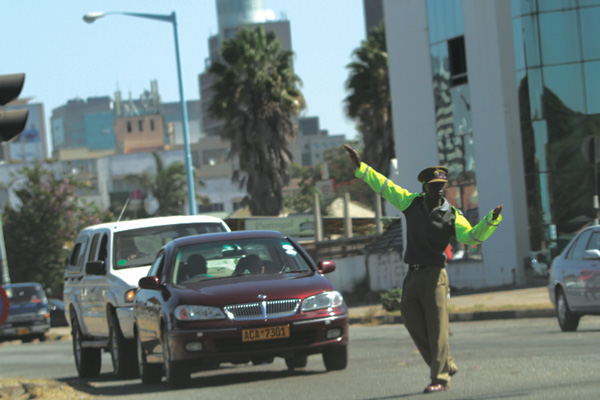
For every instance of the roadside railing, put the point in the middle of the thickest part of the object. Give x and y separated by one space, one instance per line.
338 248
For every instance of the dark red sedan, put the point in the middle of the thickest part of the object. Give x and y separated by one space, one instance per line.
236 297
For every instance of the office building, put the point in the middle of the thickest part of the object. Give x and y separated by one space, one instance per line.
504 93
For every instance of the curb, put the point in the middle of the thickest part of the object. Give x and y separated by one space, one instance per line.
471 316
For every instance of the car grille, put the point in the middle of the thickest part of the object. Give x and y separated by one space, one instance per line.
262 309
235 344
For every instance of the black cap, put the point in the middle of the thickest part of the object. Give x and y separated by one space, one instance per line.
433 174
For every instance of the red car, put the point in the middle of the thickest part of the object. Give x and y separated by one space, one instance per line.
236 297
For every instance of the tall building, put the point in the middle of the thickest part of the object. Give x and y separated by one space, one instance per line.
102 125
312 142
474 85
234 15
373 14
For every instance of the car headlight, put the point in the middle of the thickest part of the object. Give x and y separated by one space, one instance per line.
197 313
323 300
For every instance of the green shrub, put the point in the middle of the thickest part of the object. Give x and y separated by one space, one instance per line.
391 299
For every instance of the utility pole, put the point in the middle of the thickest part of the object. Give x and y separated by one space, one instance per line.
5 274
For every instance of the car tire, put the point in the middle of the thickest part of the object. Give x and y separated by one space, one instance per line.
122 351
87 360
296 362
176 373
150 373
335 358
42 337
567 320
27 339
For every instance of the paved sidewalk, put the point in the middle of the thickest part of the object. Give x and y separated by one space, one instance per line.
501 304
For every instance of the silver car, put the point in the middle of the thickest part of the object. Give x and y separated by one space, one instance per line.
574 284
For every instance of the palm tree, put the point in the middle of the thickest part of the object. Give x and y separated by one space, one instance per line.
369 101
168 186
256 96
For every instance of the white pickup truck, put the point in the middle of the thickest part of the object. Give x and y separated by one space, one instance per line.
101 275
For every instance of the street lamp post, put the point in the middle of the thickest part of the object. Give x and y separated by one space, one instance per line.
93 16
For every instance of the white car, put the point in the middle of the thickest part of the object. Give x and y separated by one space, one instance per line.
574 282
101 275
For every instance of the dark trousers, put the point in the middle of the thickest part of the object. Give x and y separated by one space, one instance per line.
425 315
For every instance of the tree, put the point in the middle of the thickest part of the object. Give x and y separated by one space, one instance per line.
168 186
40 229
255 94
341 170
304 200
369 101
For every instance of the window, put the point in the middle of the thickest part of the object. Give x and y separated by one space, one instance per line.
141 125
592 82
458 61
103 253
576 251
137 247
76 257
211 207
128 126
75 254
94 246
156 269
560 33
152 125
594 243
565 82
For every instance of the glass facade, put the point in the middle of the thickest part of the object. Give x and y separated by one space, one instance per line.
557 57
453 112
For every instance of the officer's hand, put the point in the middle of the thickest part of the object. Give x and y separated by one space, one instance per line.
497 211
353 155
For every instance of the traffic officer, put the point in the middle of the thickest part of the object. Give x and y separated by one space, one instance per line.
431 222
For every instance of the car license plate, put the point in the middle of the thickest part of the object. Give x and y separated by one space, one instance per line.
272 332
23 331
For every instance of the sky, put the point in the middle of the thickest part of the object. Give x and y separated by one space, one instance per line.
65 58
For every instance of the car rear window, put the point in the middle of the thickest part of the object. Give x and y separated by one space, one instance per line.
138 247
25 294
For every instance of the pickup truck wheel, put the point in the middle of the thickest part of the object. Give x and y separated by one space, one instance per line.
335 358
150 373
87 360
177 373
122 351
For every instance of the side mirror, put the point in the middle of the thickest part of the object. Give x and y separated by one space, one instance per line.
326 267
149 282
592 254
95 268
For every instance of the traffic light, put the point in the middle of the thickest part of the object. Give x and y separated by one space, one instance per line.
12 122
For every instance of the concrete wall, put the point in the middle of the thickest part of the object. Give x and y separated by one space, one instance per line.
387 271
497 135
348 272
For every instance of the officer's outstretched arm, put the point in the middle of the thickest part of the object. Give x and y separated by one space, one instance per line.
480 232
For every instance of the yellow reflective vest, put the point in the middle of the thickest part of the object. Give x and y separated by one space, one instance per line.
428 231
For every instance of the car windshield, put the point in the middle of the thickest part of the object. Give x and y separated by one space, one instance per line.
25 294
138 247
236 258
